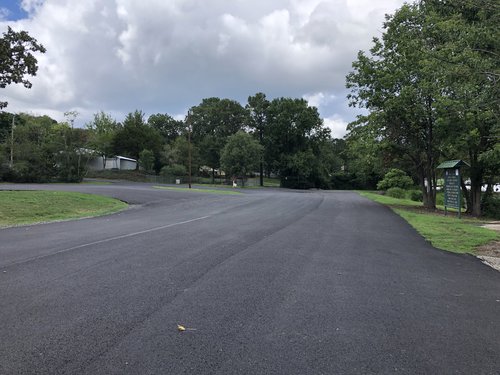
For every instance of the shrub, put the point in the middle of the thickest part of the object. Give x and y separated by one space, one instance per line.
440 198
6 174
174 170
491 206
396 192
415 195
147 160
395 178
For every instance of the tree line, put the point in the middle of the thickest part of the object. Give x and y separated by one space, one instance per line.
282 137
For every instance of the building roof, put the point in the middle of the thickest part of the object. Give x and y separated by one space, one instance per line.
452 164
125 158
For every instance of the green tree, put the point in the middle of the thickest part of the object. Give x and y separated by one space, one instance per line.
364 155
466 36
70 155
167 126
257 107
44 150
34 150
147 160
212 122
397 83
17 59
135 135
295 134
102 130
241 155
430 85
5 125
177 153
395 178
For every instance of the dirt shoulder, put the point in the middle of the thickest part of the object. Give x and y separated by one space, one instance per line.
490 253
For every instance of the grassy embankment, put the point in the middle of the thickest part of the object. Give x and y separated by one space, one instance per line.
29 207
444 232
139 176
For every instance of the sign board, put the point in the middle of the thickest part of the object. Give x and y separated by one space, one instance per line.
452 188
452 192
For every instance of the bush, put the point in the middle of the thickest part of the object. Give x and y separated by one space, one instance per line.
114 174
174 170
491 207
147 160
415 195
6 174
396 192
440 199
395 178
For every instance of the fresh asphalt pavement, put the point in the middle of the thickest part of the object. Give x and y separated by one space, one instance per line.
266 282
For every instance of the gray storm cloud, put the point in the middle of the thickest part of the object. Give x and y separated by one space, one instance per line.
165 56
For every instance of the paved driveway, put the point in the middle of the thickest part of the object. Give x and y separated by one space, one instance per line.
270 282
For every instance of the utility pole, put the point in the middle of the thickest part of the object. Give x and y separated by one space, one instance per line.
189 145
11 163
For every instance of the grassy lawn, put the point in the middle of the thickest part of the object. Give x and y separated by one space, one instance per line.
271 182
209 191
444 232
29 207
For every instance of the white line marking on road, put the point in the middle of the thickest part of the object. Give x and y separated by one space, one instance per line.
106 240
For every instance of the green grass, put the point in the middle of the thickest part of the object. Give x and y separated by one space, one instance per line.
444 232
271 182
80 183
29 207
209 191
384 199
136 176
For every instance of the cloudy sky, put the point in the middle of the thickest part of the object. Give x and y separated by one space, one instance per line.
164 56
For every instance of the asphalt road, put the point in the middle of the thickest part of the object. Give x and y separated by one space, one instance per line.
267 282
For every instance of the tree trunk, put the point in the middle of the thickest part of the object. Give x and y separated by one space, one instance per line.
467 196
429 191
475 192
476 179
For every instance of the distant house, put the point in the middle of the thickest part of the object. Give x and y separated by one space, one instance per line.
99 163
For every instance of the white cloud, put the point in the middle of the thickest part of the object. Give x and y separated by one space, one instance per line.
4 13
31 6
337 126
319 99
165 56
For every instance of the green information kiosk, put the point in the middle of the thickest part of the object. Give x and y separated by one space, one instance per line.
452 189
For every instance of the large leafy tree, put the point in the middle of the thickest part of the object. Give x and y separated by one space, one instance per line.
177 153
363 156
430 85
295 138
135 135
17 59
167 126
211 123
70 156
102 130
396 82
467 50
257 107
241 155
